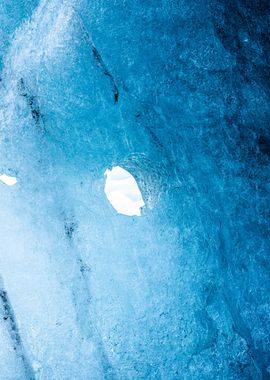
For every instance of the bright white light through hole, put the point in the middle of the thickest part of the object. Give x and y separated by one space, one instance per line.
8 180
123 192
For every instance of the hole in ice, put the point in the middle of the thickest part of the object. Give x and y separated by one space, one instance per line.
8 180
123 192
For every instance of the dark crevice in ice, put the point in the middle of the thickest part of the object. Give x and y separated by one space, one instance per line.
31 101
264 145
98 59
70 228
105 71
10 320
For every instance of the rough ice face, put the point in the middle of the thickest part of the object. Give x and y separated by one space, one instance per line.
176 93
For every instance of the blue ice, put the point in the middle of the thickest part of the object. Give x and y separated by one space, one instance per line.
177 94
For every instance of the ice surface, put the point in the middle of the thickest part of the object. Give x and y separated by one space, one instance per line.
177 94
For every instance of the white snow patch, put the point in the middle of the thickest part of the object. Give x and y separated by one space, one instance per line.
123 192
8 180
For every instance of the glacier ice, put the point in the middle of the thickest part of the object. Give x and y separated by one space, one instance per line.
177 94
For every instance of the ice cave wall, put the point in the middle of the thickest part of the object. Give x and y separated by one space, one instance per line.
176 92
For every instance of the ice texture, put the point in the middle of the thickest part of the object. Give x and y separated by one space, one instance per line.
176 92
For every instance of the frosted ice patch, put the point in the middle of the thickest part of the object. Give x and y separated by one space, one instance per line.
8 180
123 192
